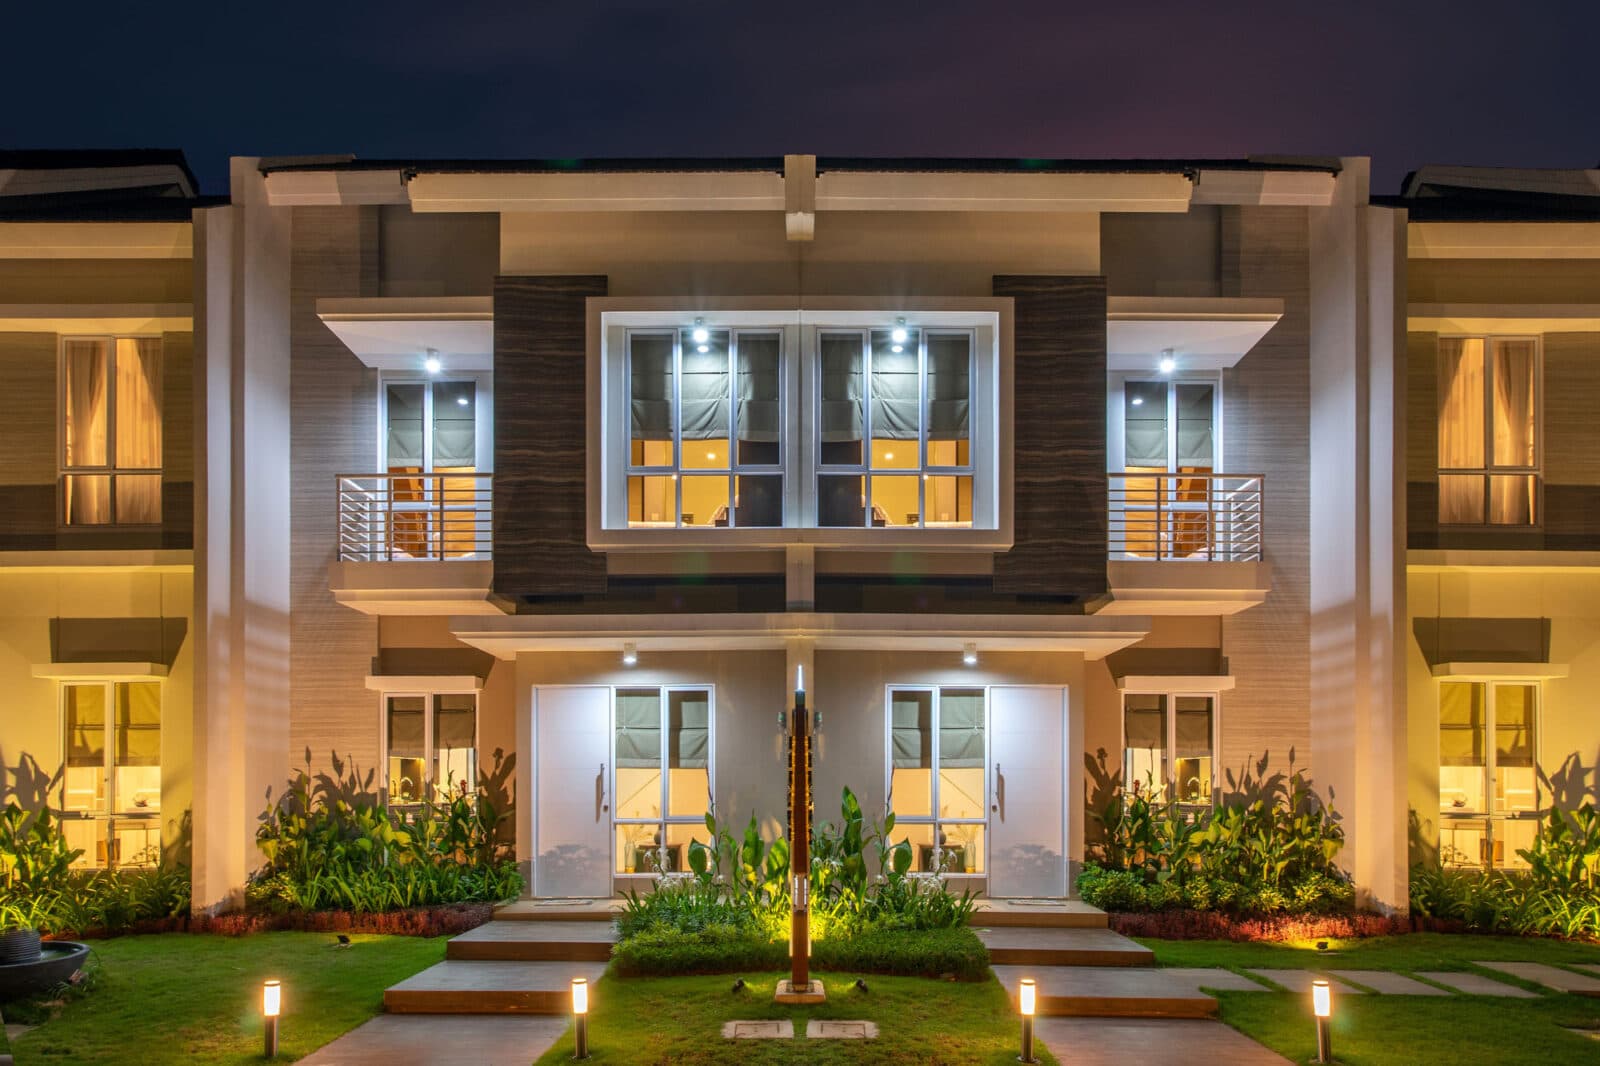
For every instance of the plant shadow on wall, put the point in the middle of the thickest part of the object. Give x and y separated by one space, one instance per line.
869 913
331 842
1265 848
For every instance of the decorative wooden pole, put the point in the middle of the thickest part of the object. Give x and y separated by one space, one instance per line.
800 988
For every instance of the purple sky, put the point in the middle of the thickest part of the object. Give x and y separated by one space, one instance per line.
1405 82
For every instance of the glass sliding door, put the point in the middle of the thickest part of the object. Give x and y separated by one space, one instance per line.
111 784
1170 445
1488 776
431 447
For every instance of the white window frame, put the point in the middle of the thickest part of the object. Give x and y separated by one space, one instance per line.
1491 815
1116 413
482 410
619 869
110 469
430 753
1490 468
1169 752
108 812
934 819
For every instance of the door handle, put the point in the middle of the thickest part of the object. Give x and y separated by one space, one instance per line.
604 804
995 806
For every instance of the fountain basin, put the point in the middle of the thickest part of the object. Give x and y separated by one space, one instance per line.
58 960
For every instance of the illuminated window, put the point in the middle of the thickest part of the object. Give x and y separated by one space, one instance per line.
111 781
938 784
1488 407
435 442
1488 774
662 782
432 743
1168 742
111 432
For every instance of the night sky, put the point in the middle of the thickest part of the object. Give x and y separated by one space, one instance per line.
1475 81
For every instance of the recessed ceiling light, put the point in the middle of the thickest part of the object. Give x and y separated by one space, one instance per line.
1137 400
888 456
462 400
969 654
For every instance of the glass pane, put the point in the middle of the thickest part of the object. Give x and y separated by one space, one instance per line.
1144 741
84 708
920 837
653 500
1193 756
1514 782
961 848
705 500
650 395
408 758
638 849
896 401
1460 403
405 401
138 841
1461 499
86 499
1513 499
1461 746
841 500
137 739
139 499
896 501
85 401
455 426
679 836
949 500
842 419
1514 443
911 757
949 417
1512 835
759 501
704 391
688 754
1144 425
638 740
1196 442
961 754
455 742
757 412
87 835
138 404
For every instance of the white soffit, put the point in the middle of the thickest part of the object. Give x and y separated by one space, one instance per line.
1203 333
1265 188
333 188
1503 318
448 683
1501 671
599 191
395 333
1503 240
1176 682
844 190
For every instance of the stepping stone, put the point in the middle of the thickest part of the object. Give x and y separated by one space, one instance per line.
1476 984
530 941
458 986
1213 977
1591 967
1549 976
832 1030
418 1040
1018 946
761 1030
1109 992
1388 984
1300 981
1039 914
1161 1042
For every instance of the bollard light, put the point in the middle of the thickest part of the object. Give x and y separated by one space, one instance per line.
271 1007
1026 993
580 1017
1322 1007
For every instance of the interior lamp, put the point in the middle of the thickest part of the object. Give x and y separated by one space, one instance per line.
1322 1007
271 1007
580 1017
1026 1003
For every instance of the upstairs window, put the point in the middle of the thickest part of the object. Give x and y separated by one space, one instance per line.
432 501
705 445
111 431
1488 404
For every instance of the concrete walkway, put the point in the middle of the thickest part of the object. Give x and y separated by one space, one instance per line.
416 1040
1151 1042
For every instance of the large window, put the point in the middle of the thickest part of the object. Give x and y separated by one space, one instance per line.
662 784
894 437
1489 404
705 445
111 784
432 745
938 782
432 504
1488 772
1168 740
1168 505
110 431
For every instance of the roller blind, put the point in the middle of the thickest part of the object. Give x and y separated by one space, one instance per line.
639 729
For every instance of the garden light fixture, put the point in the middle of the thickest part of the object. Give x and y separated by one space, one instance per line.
580 1017
1026 1002
271 1006
1322 1007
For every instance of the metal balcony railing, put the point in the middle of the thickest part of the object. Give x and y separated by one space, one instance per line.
1185 517
429 517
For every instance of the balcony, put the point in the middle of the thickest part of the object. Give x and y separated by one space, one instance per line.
1185 544
414 543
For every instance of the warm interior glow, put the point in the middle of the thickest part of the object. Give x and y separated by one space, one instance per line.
1025 995
1321 998
271 999
580 995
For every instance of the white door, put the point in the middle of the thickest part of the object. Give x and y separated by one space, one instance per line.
1028 782
572 819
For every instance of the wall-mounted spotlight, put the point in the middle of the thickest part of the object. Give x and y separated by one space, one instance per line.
431 364
969 654
1168 364
701 335
630 654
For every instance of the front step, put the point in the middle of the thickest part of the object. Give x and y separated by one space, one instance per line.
530 941
472 987
1015 946
564 910
1052 914
1108 992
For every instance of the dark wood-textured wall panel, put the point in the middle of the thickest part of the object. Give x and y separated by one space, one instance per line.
541 437
28 461
1422 438
1059 419
1571 458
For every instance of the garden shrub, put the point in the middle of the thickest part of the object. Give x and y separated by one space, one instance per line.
667 952
949 952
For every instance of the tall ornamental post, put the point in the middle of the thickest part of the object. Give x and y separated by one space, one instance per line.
800 988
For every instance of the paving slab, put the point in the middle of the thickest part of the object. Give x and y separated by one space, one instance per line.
1020 946
1549 976
818 1029
1387 983
1215 978
473 987
558 910
1300 980
533 941
1476 984
758 1030
1150 1042
1109 992
1039 913
1590 967
412 1040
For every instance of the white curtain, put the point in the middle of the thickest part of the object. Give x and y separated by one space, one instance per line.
138 429
1511 499
87 499
1461 445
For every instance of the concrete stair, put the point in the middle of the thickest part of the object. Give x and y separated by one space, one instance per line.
458 986
1054 946
559 910
1052 914
535 941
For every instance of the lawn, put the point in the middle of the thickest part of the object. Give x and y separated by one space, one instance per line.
1405 1030
679 1020
196 998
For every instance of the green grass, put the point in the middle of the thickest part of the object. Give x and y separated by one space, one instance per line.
195 998
1371 1030
662 1020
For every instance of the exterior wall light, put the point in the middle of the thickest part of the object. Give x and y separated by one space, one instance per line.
1168 364
271 1007
1322 1007
1026 1002
580 1017
630 655
969 654
431 364
701 335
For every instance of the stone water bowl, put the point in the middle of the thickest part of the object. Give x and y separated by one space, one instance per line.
28 967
